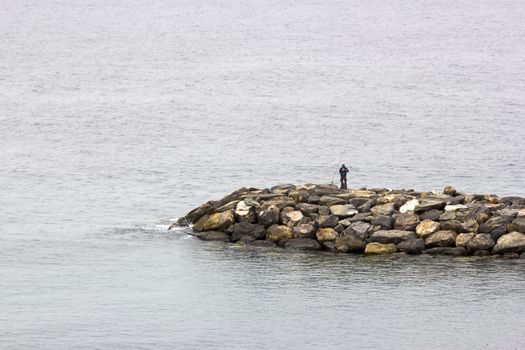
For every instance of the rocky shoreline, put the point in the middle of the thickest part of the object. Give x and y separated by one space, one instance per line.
365 221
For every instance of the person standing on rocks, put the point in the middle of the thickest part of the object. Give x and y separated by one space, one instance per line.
343 171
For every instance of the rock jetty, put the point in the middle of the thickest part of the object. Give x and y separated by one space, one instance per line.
364 221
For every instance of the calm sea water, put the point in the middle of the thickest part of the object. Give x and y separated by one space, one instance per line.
117 117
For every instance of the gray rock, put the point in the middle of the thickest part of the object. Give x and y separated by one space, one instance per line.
456 200
343 210
481 253
448 215
392 236
246 232
325 221
197 213
330 200
518 225
307 208
412 246
513 242
429 204
268 215
359 217
452 225
406 222
302 244
313 199
384 209
433 215
366 207
522 255
329 246
441 239
483 241
453 251
213 236
384 221
304 231
323 210
262 244
359 229
494 223
349 244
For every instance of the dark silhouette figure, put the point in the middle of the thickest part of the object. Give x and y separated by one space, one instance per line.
343 171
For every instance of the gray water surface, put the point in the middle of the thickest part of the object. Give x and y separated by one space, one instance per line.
118 117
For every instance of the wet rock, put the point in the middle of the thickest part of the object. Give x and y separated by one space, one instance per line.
522 256
197 213
433 215
302 244
452 251
244 212
326 234
330 200
291 218
379 248
463 238
518 225
329 246
246 232
213 236
268 215
483 241
481 253
392 236
412 246
304 231
307 208
513 242
326 221
214 222
409 206
427 228
441 239
384 221
452 225
276 233
384 209
262 244
349 244
510 256
429 204
343 210
406 222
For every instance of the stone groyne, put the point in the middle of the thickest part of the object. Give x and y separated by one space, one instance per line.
365 221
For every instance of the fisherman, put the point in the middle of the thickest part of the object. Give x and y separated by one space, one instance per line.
343 171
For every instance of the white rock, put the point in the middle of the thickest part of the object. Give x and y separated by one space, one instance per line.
409 206
455 207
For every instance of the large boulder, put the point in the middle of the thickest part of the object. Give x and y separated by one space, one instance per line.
331 200
302 244
304 231
215 222
307 208
412 246
358 229
441 239
494 223
326 234
406 222
246 232
463 238
379 248
268 215
343 210
518 225
392 236
428 204
213 236
245 213
384 209
197 213
291 218
483 241
349 244
383 221
513 242
276 233
325 221
409 206
426 228
433 215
